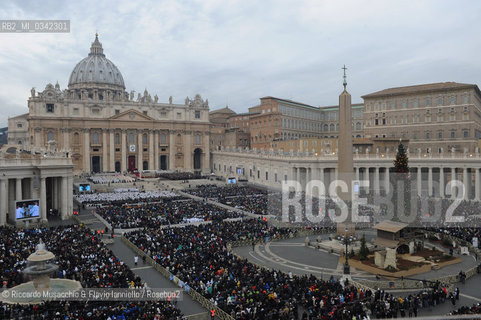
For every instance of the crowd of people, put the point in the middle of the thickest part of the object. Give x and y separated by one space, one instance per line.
130 196
164 212
81 256
108 179
198 256
247 198
180 176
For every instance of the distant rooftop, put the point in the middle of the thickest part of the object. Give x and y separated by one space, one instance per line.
290 101
421 88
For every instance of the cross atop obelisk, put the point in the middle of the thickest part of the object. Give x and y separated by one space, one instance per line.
345 81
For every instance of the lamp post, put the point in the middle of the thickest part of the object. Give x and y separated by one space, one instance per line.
346 264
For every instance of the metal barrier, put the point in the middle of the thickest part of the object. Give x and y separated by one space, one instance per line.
219 313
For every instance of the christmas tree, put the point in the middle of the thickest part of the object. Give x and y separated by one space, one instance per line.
401 161
401 183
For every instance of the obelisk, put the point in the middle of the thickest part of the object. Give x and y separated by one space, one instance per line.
345 167
345 161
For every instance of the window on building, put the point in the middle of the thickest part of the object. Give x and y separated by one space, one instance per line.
19 125
144 138
95 138
75 111
144 112
428 135
415 103
76 138
131 138
50 136
197 139
440 101
427 102
163 114
393 105
376 121
466 99
117 111
50 107
452 100
383 121
179 115
267 175
440 135
465 133
117 138
197 114
453 134
95 111
162 138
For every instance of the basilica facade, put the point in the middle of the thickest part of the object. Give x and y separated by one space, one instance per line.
104 128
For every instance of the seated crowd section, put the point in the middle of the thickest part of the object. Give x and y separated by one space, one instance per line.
108 179
163 212
81 256
123 197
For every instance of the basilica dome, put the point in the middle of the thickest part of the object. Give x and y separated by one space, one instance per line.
96 69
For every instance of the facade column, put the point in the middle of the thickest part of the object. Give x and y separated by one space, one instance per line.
3 201
69 196
453 177
188 151
156 150
418 177
386 180
368 179
376 181
441 182
111 151
151 150
321 176
356 174
86 154
465 182
140 152
64 198
171 150
66 142
430 182
123 161
43 200
476 185
105 160
206 153
18 189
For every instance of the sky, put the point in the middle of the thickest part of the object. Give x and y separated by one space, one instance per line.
235 52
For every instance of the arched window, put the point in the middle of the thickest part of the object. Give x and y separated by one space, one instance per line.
326 127
76 138
358 126
50 136
197 139
144 138
117 138
331 127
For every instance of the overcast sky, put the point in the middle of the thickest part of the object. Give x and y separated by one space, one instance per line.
234 52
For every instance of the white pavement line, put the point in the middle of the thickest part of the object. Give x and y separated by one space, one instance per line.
268 250
141 268
253 256
470 297
287 245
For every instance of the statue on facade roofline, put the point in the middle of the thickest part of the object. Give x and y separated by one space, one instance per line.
132 95
32 91
187 100
156 98
139 97
170 100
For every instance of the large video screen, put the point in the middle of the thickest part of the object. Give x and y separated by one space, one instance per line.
27 209
84 187
231 181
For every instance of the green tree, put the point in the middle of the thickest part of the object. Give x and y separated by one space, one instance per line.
363 251
401 183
